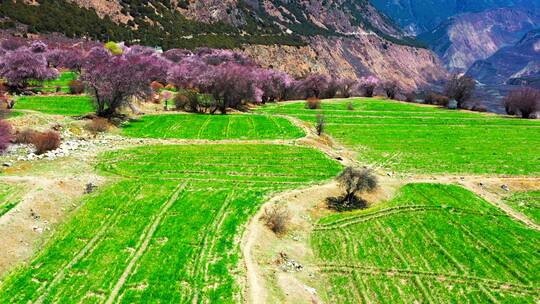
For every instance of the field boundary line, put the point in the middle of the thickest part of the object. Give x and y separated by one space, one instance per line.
140 251
441 277
352 220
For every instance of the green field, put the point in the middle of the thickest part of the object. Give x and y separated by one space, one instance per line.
62 81
186 126
431 244
58 105
527 203
9 197
419 139
168 230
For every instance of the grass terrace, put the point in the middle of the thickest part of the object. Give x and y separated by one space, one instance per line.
58 105
9 197
424 139
430 244
168 229
194 126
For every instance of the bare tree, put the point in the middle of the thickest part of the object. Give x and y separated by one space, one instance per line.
391 89
354 182
460 88
523 101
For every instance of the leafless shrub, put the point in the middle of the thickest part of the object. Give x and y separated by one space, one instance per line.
410 96
523 101
76 87
436 99
320 124
350 106
313 103
276 218
46 141
25 136
98 125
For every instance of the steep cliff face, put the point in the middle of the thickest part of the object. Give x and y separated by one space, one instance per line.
466 38
353 58
418 16
349 38
517 64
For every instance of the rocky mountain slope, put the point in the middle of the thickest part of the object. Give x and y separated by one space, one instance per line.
516 64
345 37
418 16
466 38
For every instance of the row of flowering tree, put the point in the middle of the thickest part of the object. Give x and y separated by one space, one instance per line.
116 75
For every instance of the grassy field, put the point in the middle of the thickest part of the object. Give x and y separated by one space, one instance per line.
527 203
168 230
59 105
62 81
431 244
212 127
419 139
9 197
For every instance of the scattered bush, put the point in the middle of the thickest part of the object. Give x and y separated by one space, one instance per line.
188 100
436 99
320 124
350 106
313 103
76 87
478 107
410 96
25 137
460 88
98 125
354 182
276 218
46 141
523 101
5 135
391 89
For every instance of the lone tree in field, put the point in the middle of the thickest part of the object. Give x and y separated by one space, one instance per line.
20 66
114 80
523 101
354 182
460 88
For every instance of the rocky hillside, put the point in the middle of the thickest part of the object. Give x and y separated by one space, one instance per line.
345 37
516 64
466 38
419 16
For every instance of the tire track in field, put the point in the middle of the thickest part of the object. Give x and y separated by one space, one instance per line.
440 277
202 256
352 220
88 248
152 227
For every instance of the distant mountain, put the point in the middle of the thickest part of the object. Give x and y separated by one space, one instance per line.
418 16
516 64
348 38
463 39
